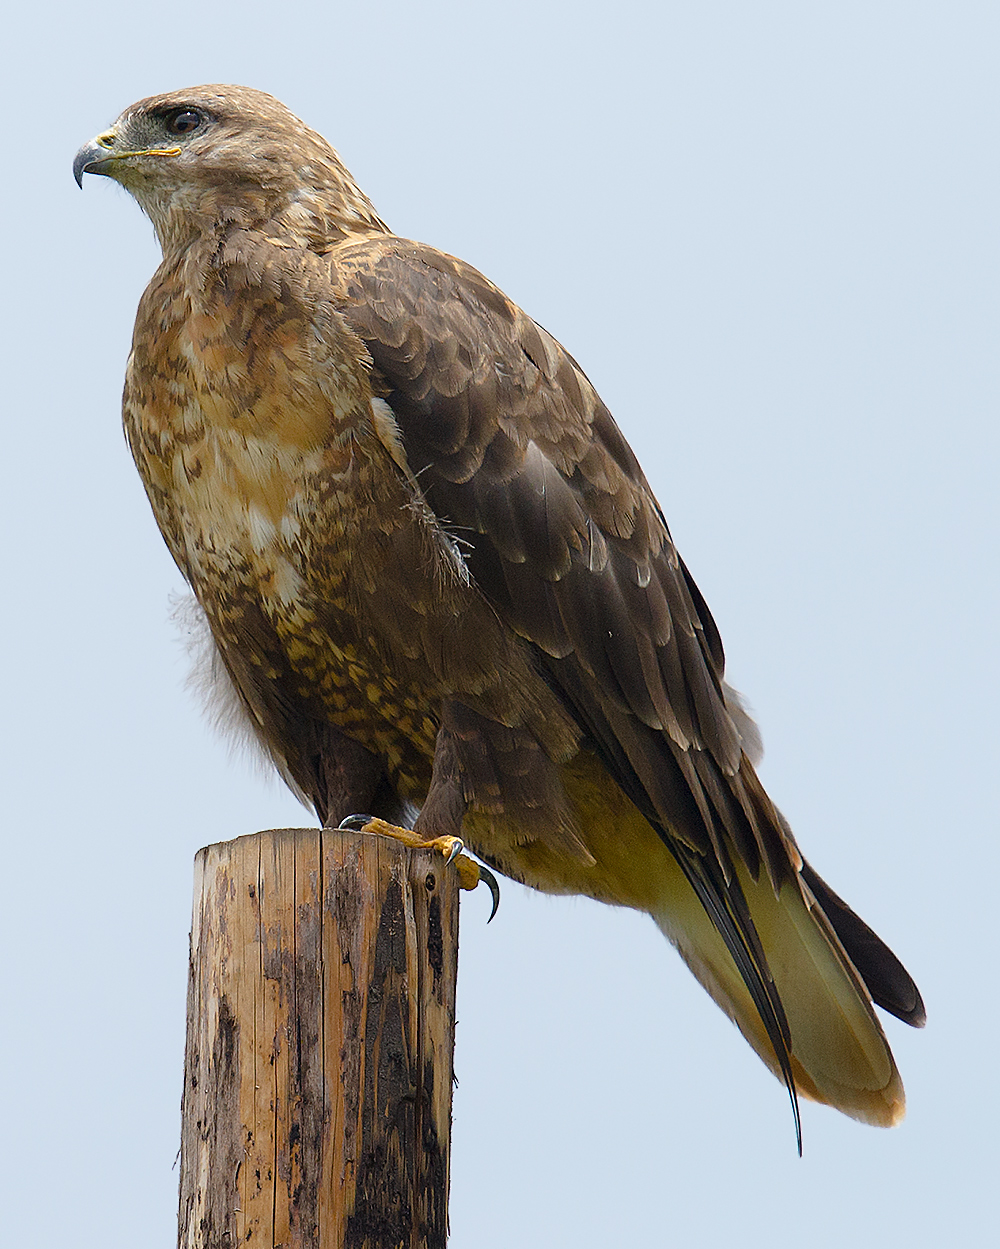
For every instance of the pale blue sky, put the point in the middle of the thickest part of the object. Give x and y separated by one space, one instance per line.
768 233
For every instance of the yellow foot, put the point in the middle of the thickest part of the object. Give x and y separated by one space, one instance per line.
470 873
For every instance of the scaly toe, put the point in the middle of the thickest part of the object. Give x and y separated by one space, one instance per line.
470 873
372 824
450 847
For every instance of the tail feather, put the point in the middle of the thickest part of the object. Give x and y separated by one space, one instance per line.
887 980
788 964
725 906
838 1053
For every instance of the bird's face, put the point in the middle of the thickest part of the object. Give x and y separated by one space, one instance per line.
192 157
208 133
134 149
202 155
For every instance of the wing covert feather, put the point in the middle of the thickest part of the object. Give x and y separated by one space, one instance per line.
517 454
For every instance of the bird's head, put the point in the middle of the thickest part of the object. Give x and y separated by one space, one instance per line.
213 156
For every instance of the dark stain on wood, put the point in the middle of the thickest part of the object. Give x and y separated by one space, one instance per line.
432 1195
306 1092
224 1049
217 1223
435 941
387 1148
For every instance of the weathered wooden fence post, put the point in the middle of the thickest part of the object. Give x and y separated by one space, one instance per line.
320 1035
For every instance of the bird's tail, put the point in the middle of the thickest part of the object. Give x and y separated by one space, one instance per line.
836 1050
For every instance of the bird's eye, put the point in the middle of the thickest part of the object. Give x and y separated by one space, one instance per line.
184 121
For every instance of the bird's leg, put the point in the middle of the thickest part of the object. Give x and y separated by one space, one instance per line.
344 777
442 809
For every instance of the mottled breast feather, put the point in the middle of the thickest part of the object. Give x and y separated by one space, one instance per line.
278 480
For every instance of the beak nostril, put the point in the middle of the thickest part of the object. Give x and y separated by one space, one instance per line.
106 140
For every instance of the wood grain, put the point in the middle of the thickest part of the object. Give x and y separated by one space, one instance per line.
320 1034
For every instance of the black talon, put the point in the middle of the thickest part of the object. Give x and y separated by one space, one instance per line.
492 884
355 823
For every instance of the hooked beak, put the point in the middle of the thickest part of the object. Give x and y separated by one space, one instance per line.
95 156
89 160
99 156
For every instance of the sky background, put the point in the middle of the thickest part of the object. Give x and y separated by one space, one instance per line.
768 232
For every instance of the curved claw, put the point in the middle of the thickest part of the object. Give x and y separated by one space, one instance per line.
492 884
457 847
355 823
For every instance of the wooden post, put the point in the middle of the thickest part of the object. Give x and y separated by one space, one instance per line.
320 1035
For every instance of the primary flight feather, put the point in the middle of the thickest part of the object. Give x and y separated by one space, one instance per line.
437 579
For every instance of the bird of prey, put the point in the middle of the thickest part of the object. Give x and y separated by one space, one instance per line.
437 580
